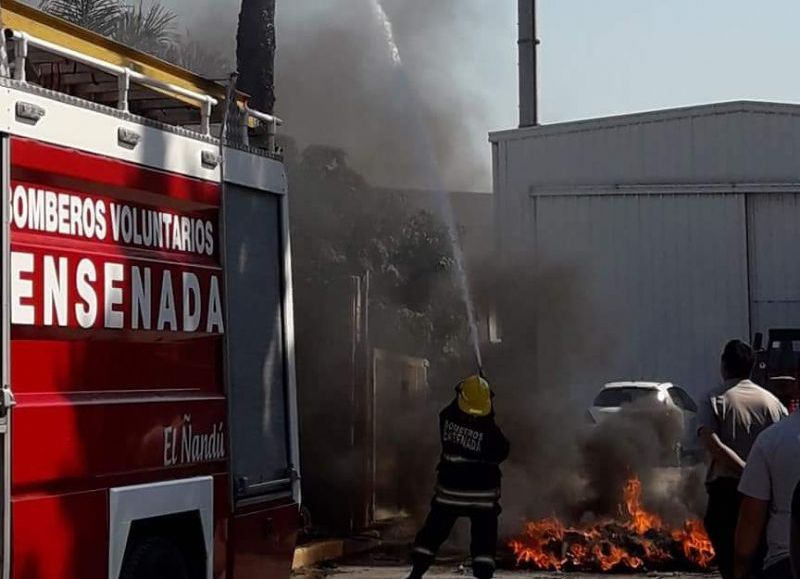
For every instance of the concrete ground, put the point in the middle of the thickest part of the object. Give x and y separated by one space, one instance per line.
389 561
393 572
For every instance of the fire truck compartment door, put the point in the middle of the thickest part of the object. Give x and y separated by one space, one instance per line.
259 426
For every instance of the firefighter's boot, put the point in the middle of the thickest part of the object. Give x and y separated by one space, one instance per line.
421 564
483 568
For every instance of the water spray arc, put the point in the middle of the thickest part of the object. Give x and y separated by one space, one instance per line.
388 31
444 202
461 276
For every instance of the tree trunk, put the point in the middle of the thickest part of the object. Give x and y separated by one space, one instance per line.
255 53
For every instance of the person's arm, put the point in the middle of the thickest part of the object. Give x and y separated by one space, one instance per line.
749 532
723 454
707 431
502 446
496 446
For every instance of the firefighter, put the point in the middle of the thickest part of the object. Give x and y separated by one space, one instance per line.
468 481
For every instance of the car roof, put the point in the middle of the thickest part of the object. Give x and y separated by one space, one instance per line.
639 384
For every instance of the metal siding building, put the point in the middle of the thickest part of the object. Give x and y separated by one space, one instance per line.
678 229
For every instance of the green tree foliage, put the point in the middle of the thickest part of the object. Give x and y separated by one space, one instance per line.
151 30
101 16
343 227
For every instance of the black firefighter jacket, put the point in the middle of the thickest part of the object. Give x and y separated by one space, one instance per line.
469 468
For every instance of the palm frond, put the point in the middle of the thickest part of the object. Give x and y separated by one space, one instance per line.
101 16
151 30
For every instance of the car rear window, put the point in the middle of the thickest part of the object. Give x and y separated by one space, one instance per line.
614 397
682 400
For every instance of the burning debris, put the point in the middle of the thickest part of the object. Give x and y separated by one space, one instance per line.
637 541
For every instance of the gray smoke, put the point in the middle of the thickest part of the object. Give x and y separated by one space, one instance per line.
409 125
419 125
560 463
641 442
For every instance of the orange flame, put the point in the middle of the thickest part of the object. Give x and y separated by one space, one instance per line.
640 520
696 544
640 540
609 556
545 533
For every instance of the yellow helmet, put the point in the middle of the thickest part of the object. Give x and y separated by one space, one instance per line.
475 396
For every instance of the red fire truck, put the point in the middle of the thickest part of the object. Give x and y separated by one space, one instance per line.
148 416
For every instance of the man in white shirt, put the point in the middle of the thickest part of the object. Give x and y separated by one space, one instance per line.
729 420
767 486
794 535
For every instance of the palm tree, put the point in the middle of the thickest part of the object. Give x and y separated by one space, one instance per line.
255 52
101 16
151 30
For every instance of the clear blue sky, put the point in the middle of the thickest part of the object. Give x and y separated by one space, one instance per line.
605 57
616 56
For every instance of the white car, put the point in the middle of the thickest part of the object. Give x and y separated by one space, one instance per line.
617 397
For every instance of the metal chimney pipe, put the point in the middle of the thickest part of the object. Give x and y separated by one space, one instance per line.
528 64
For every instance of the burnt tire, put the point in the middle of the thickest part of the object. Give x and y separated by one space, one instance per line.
155 558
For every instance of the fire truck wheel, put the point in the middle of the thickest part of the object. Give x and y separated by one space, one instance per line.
155 558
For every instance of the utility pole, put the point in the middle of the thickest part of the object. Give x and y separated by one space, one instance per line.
528 65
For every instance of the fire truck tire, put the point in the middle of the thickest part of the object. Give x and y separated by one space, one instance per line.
155 558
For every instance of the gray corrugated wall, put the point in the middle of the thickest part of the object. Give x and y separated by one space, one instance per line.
661 284
695 245
744 146
774 234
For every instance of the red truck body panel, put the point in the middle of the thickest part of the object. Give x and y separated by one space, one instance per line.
117 361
